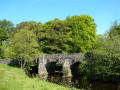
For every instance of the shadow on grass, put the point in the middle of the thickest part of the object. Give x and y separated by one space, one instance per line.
14 63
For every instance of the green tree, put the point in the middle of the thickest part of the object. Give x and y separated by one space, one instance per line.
82 33
114 29
23 46
55 36
100 42
6 28
32 26
103 61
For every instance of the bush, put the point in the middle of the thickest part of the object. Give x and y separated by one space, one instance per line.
101 67
65 71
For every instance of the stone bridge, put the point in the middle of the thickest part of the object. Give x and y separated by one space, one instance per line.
50 64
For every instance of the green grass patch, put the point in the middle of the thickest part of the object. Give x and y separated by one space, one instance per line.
13 78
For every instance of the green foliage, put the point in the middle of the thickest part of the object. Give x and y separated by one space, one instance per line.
82 68
74 35
23 46
31 26
114 30
103 61
82 33
35 27
6 28
55 36
100 42
8 25
103 67
1 52
65 71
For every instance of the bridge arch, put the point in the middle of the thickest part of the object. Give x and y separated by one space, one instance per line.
54 68
75 69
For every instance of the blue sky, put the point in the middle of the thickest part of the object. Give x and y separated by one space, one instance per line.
103 11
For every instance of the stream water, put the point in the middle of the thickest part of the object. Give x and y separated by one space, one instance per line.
81 83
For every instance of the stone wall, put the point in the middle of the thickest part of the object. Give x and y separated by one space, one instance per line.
8 61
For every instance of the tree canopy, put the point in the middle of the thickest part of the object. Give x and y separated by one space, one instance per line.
82 33
114 29
6 28
75 34
103 60
23 46
55 36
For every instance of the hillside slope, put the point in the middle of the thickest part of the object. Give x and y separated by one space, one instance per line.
13 78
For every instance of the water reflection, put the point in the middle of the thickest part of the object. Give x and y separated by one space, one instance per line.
82 83
104 86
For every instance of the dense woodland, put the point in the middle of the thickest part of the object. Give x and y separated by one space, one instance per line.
75 34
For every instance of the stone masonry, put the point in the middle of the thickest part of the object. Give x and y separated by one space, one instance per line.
8 61
65 59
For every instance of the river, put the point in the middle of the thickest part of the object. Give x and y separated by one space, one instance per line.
81 83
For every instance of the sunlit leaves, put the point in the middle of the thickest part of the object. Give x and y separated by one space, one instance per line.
6 28
23 46
55 36
82 33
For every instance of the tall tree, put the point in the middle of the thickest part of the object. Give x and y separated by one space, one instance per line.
23 46
82 33
33 26
55 36
103 61
6 28
114 29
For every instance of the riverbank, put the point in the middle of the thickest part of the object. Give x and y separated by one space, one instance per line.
13 78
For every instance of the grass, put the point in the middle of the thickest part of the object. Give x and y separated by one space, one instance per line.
13 78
